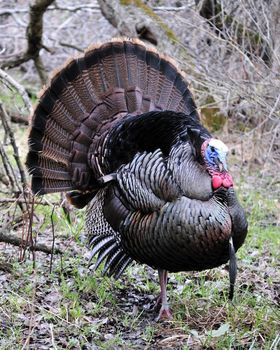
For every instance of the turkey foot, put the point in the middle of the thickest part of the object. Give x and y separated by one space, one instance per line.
164 313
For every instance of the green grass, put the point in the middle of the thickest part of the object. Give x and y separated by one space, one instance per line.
71 308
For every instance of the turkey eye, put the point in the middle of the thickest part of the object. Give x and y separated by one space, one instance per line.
212 149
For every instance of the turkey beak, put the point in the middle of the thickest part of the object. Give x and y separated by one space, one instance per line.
222 164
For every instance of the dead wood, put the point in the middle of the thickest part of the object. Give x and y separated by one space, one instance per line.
16 241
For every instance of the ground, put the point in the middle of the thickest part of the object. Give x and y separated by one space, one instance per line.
58 302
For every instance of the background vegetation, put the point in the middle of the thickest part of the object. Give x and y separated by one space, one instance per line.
230 52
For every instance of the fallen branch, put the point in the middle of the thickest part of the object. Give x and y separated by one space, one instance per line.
6 267
16 241
25 201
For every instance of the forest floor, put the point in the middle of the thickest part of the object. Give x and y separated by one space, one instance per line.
56 302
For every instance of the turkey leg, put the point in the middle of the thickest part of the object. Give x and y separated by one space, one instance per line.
164 311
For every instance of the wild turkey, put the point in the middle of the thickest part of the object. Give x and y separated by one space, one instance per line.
117 127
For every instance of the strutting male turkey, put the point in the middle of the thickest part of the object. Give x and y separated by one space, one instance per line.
118 129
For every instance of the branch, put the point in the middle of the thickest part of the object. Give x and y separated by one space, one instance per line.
9 171
93 8
34 34
14 240
19 119
9 131
19 88
71 46
170 8
23 200
11 11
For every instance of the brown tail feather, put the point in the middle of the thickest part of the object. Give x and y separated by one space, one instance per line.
86 98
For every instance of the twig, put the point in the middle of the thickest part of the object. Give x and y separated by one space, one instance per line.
170 8
30 237
31 327
71 46
52 337
93 8
16 241
8 129
18 119
4 76
9 170
53 239
11 11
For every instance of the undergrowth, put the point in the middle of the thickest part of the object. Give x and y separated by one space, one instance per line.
73 308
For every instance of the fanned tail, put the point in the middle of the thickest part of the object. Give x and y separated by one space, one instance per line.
86 98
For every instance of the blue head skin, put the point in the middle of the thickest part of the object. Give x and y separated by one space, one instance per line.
215 155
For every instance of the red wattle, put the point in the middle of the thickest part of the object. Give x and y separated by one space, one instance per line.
227 181
216 182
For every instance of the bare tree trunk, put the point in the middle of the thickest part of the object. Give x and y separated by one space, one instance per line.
34 33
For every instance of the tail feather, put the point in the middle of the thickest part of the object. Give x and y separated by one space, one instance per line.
51 174
134 99
122 266
74 74
43 186
84 84
132 64
102 244
116 266
142 69
111 262
57 140
187 104
103 254
153 64
119 64
97 77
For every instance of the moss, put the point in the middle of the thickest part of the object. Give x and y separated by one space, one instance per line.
148 11
212 117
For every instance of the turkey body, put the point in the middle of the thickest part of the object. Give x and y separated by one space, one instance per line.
118 129
157 221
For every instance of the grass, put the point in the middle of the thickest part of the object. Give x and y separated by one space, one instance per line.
71 308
